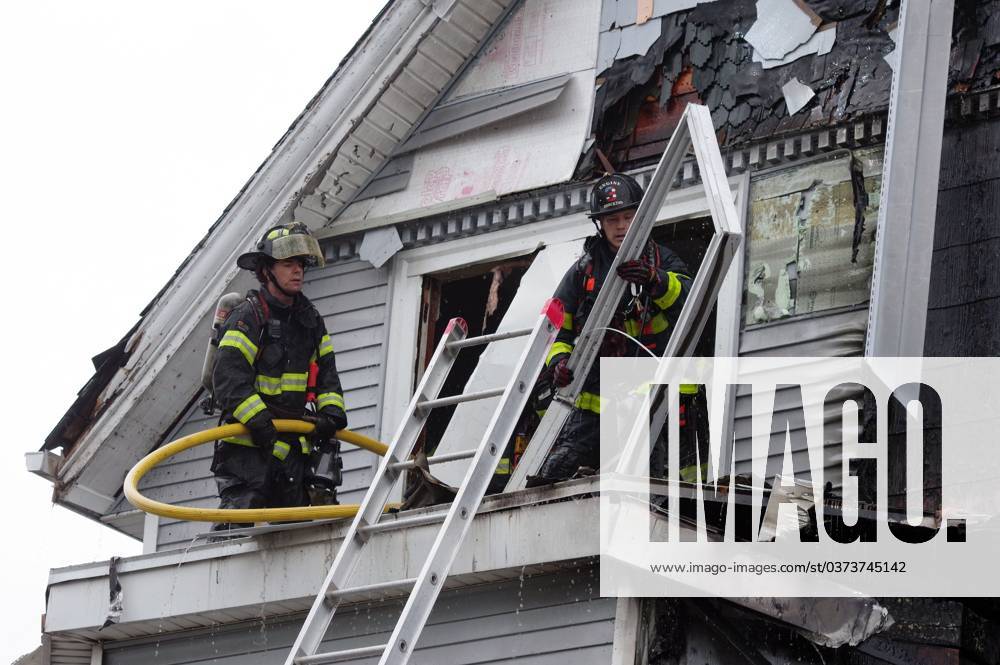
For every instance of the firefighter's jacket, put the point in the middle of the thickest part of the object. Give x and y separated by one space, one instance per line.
649 317
262 365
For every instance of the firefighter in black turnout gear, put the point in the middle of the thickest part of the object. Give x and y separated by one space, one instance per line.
658 286
262 372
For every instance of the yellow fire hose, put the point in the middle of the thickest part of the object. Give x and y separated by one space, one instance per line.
243 514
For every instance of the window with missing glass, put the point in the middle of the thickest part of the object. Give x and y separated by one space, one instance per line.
810 238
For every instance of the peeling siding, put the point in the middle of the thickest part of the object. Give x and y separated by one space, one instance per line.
549 619
352 298
801 236
801 223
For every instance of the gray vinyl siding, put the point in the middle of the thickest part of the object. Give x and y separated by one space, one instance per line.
542 620
352 298
840 334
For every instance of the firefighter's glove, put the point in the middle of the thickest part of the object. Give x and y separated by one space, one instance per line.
642 274
328 424
263 434
562 375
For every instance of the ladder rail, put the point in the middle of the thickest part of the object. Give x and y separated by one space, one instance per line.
589 342
458 521
321 614
455 521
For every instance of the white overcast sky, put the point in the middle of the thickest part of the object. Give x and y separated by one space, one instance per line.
127 127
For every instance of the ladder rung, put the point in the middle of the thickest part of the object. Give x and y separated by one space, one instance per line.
486 339
403 522
437 459
346 654
391 585
458 399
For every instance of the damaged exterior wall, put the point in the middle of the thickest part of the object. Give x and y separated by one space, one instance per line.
801 252
702 55
963 314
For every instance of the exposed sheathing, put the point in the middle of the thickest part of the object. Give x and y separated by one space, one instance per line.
808 248
963 313
701 55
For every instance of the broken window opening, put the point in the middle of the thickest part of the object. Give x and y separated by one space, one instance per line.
811 237
479 294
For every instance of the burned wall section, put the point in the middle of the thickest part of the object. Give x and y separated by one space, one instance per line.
842 73
963 311
810 236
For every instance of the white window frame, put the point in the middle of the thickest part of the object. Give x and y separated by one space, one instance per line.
410 267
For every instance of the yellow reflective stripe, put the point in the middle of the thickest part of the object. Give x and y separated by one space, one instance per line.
294 382
567 321
590 402
249 408
304 445
654 326
673 291
503 468
690 474
557 348
329 399
325 346
275 385
281 450
240 440
240 342
268 385
688 388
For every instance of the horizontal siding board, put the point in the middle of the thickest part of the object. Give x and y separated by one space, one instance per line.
545 620
350 301
357 339
839 334
965 274
970 154
369 317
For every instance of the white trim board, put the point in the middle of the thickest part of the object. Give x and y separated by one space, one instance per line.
409 267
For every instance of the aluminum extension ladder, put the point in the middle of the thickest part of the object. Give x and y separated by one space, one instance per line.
425 588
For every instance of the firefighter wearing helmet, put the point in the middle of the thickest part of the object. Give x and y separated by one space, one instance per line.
267 346
659 284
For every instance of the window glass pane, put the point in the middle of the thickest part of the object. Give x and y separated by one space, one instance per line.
802 255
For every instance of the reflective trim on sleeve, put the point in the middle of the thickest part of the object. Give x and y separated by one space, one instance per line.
590 402
558 348
503 467
249 408
688 388
329 399
240 441
281 450
325 346
304 445
567 321
241 343
673 291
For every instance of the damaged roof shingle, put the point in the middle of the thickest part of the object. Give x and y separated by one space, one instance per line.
839 52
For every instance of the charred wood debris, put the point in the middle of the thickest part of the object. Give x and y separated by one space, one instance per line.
705 55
